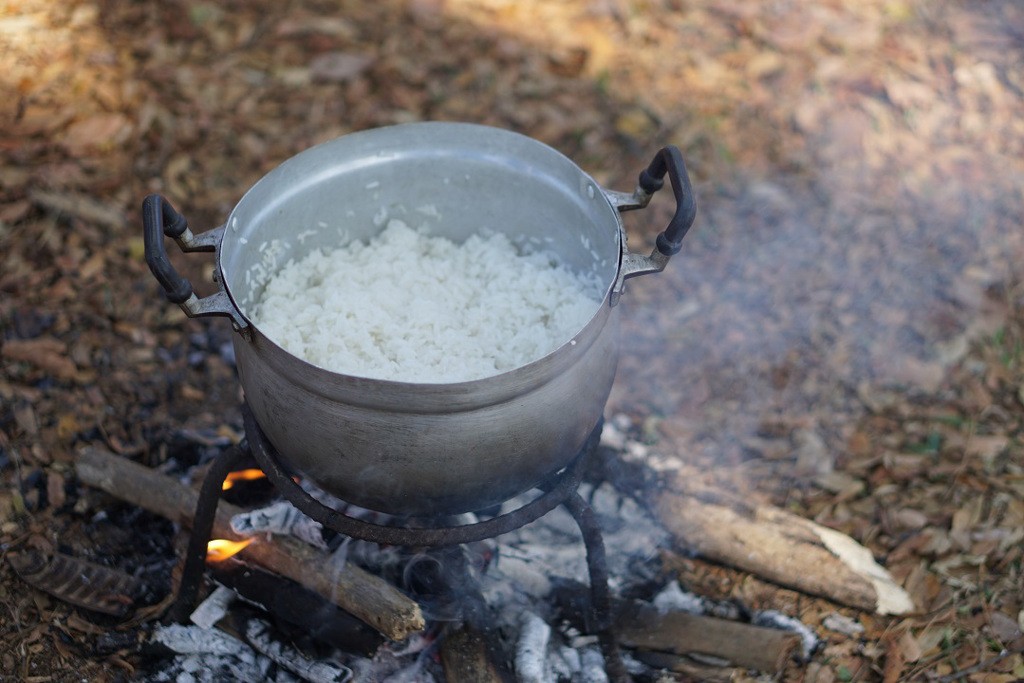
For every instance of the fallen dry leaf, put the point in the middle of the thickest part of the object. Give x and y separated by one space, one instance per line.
46 353
99 131
1004 627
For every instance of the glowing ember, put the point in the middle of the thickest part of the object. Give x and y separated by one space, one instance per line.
241 475
220 549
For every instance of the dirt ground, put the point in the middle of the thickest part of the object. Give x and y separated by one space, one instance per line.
842 334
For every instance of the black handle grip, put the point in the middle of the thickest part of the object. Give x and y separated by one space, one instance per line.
670 160
158 219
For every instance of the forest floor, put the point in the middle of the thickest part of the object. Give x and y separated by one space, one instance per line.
842 334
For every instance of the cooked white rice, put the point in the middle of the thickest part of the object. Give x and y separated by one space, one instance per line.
411 307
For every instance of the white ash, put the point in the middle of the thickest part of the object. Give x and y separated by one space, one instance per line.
213 608
615 434
258 633
281 518
775 619
552 547
673 598
566 663
207 656
612 436
583 665
519 580
532 657
840 623
391 663
213 669
190 640
593 666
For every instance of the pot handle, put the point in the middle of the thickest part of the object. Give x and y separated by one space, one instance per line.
159 218
668 161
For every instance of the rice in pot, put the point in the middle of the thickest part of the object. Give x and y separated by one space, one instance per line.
411 307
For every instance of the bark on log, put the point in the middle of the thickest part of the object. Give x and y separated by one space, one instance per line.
362 594
778 546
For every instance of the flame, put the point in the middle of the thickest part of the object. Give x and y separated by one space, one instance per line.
241 475
220 549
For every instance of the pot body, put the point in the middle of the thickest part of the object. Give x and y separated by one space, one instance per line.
426 449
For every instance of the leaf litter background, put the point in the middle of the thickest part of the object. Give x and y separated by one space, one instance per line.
843 334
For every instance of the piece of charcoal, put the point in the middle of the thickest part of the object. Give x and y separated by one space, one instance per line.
116 641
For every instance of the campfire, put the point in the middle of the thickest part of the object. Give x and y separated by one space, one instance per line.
321 606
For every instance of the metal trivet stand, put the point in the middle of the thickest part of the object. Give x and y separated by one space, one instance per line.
559 489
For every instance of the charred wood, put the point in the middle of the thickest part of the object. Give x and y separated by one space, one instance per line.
291 603
465 657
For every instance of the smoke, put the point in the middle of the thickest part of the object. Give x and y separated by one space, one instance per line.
794 298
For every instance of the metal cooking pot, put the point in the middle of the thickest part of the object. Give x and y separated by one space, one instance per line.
413 448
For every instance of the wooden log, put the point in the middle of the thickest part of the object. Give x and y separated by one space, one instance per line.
643 627
362 594
779 546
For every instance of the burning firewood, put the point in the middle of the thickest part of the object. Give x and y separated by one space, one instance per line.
294 605
367 597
